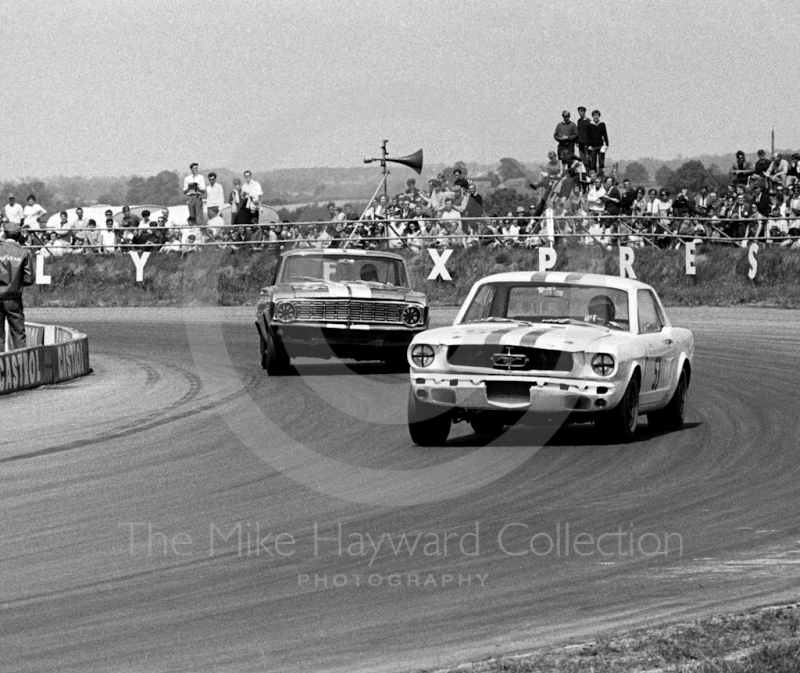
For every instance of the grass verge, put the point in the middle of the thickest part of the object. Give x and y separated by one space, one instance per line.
219 278
755 641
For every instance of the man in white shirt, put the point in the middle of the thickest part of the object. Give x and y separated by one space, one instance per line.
194 186
251 193
33 213
79 223
14 212
192 231
215 222
215 194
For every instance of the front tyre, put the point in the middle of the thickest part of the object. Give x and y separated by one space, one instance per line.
487 423
428 424
274 357
620 423
672 416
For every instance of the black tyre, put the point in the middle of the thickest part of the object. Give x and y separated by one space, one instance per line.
396 362
428 424
620 423
672 416
274 357
487 423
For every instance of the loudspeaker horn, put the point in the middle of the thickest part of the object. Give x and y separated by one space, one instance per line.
412 161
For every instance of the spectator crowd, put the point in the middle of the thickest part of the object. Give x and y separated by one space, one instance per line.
575 199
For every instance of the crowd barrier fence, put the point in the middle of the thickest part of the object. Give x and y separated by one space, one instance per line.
53 354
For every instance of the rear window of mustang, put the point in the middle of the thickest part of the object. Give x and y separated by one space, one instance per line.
343 268
535 302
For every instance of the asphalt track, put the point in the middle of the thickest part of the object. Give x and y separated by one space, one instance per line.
178 429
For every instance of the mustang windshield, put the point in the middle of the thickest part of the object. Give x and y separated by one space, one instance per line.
553 303
343 268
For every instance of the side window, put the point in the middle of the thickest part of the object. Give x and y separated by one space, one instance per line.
649 318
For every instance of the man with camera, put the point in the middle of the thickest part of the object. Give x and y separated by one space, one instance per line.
194 186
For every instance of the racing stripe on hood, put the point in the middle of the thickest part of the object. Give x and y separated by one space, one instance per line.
360 291
338 289
495 338
523 336
531 338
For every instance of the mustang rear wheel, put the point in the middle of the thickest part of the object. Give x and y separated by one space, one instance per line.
621 422
274 357
428 424
671 417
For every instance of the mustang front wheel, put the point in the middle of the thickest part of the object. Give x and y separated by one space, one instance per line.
671 417
428 424
621 422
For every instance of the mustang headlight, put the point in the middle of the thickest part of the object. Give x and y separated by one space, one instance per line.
411 315
603 364
422 355
285 311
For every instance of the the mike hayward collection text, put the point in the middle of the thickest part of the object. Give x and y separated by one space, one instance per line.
252 539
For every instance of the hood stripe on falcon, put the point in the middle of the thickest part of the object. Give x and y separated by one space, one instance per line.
360 291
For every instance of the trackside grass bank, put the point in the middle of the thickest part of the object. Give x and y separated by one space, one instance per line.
220 278
757 641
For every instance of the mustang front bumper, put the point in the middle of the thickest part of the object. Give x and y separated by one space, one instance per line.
536 394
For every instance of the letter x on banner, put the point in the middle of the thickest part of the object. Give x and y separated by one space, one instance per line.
438 264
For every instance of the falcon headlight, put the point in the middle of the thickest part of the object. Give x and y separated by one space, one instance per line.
422 355
603 364
411 315
285 311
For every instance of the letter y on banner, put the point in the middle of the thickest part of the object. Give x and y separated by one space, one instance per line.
139 261
438 264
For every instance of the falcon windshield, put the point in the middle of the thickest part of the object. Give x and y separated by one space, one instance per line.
550 303
343 268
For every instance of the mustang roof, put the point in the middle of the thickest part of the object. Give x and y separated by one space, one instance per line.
340 251
564 277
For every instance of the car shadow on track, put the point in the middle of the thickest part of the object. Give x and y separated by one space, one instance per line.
341 368
583 434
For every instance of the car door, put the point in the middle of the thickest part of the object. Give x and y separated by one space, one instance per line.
659 349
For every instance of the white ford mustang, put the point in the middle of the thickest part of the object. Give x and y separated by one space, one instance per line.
573 347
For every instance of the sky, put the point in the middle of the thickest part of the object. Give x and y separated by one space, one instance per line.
109 88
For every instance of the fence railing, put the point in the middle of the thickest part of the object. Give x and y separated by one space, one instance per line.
655 231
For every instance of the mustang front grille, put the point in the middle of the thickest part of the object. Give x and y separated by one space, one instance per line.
349 310
509 358
508 392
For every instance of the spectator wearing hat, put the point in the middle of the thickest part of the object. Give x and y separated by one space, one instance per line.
598 143
566 134
194 187
583 135
13 211
16 273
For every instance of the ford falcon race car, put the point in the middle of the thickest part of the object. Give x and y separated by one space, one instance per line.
326 303
568 346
